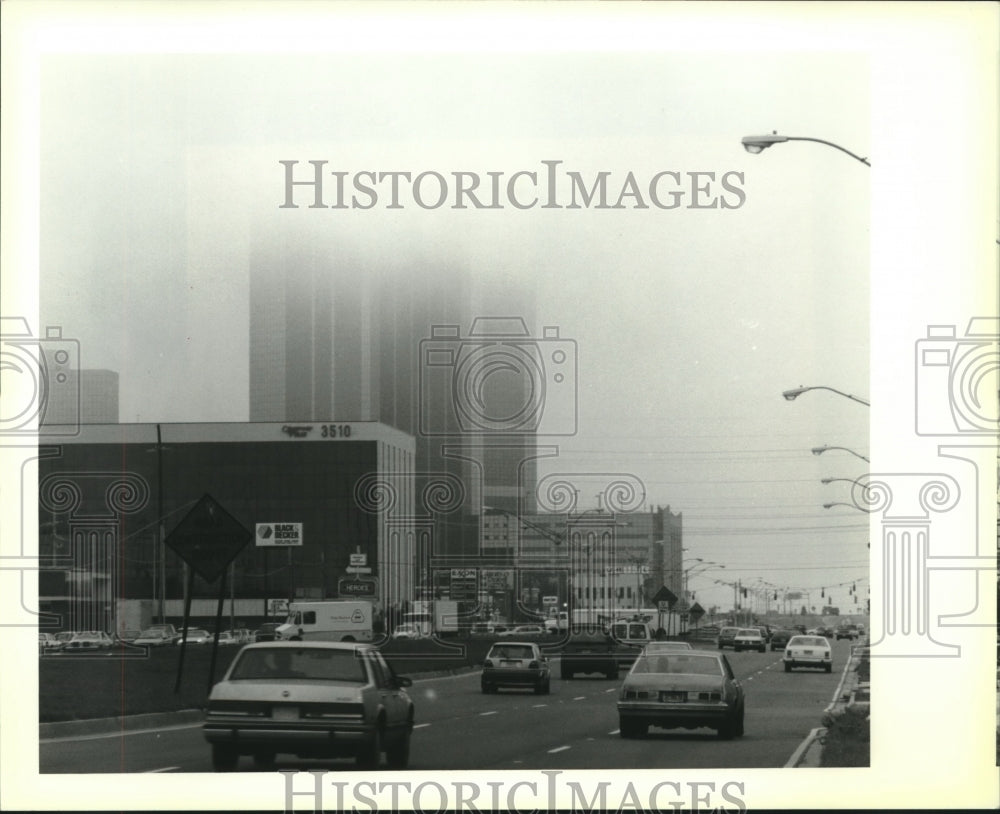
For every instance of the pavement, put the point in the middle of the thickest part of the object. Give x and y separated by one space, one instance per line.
851 692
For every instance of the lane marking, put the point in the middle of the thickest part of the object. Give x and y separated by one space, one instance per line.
558 749
580 698
536 706
491 712
614 731
118 733
164 769
420 726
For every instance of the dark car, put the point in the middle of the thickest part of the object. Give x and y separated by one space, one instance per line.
727 637
779 638
266 632
588 653
846 632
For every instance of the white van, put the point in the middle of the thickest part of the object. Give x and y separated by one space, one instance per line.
334 620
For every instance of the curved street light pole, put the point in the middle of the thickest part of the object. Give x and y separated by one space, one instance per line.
851 505
824 448
757 144
794 393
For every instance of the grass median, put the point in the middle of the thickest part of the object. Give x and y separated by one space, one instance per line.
129 681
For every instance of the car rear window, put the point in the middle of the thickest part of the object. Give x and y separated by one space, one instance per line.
808 641
677 663
308 663
511 651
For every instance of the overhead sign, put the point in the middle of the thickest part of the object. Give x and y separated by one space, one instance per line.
208 539
550 600
357 587
359 559
278 534
358 569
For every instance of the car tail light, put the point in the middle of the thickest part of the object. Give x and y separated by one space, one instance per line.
248 709
488 663
705 696
533 665
333 711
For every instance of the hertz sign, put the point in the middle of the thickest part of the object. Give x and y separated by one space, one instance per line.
366 588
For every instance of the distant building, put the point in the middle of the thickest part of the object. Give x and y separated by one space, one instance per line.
332 342
84 397
100 497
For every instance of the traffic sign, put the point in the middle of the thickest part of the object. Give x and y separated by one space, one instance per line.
664 595
359 559
208 538
358 569
357 587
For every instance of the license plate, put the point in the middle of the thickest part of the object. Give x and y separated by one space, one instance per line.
285 713
673 696
807 652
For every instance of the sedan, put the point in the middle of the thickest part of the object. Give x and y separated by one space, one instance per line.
780 638
588 653
688 690
88 641
808 651
727 637
525 630
313 700
515 664
196 636
154 638
749 638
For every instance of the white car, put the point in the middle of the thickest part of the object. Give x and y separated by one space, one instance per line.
154 638
407 631
524 630
808 651
316 700
749 638
196 636
88 640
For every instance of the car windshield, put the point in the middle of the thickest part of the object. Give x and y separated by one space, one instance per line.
808 641
309 663
511 651
677 663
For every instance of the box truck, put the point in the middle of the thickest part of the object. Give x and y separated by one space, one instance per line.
437 617
332 620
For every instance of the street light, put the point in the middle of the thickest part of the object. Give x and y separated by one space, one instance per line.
824 448
852 505
791 395
757 144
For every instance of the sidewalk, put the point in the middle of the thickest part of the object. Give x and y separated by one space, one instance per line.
851 693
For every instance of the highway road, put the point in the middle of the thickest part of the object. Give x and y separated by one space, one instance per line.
574 727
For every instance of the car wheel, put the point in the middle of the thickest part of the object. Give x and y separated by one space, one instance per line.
739 724
546 687
539 687
629 728
371 752
264 761
727 730
488 688
224 758
720 647
397 756
763 649
788 667
829 668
